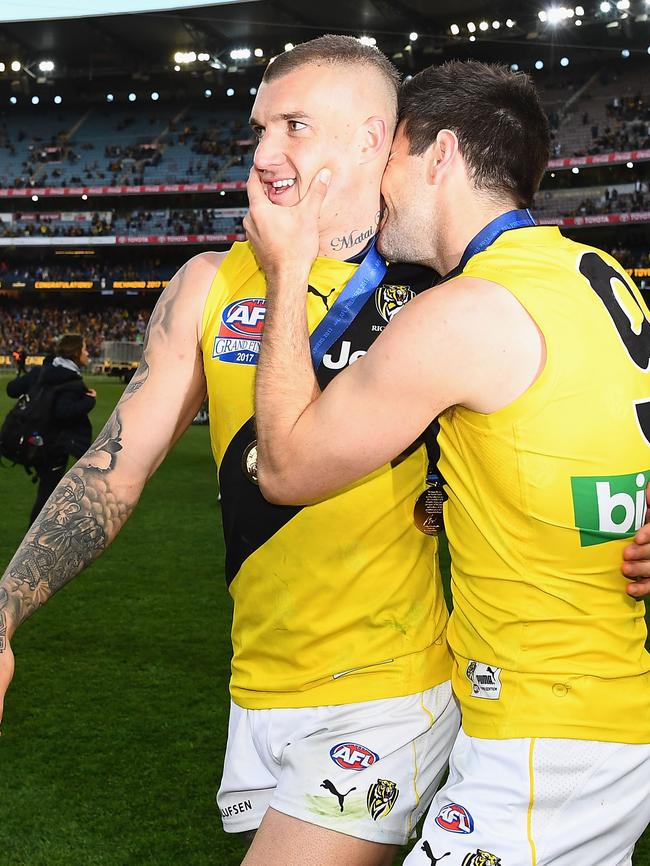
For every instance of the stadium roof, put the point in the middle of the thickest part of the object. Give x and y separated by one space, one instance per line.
413 31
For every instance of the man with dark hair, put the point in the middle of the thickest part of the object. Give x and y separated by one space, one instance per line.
534 351
70 425
342 715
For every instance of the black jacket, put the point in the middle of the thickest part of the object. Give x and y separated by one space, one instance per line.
71 405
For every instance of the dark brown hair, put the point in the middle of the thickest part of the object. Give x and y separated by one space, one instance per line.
70 346
502 129
336 50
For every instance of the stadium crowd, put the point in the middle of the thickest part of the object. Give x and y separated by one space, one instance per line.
36 329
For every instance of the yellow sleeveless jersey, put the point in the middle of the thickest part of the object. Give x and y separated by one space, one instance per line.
543 496
336 602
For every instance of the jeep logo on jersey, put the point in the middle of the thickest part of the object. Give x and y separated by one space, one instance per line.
352 756
390 299
245 317
609 508
455 819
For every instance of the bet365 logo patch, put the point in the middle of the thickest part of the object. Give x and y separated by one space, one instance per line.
609 508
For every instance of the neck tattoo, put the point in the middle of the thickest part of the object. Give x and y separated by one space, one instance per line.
352 239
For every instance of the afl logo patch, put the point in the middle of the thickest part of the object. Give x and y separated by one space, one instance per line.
240 331
352 756
389 299
455 819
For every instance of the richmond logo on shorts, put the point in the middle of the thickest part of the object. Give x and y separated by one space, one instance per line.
390 299
481 858
382 796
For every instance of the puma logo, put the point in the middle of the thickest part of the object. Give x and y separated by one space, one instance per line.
330 787
324 298
427 850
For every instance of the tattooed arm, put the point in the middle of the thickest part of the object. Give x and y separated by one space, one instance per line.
96 497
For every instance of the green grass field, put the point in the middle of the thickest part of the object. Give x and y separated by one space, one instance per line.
115 724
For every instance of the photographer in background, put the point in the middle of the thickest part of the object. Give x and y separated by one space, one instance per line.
71 405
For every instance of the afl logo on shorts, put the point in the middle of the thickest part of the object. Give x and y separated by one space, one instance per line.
245 317
455 819
390 299
352 756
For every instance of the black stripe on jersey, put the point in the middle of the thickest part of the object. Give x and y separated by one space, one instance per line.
249 521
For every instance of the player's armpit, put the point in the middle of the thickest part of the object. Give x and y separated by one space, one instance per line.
458 343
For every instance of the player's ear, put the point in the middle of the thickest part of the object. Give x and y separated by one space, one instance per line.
374 136
440 154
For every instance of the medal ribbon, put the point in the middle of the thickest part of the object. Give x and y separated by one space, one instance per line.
513 219
348 304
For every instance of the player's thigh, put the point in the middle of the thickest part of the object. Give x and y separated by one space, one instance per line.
286 841
369 770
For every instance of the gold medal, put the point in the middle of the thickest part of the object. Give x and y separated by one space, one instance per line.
427 514
249 462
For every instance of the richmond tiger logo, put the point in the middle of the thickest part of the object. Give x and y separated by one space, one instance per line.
481 858
382 796
389 299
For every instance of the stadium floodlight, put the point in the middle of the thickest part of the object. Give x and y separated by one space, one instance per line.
539 64
155 96
230 92
58 100
579 10
472 38
240 54
625 53
368 40
496 25
455 29
648 49
629 164
510 23
2 67
178 57
13 100
109 97
191 57
575 170
132 97
564 61
289 46
35 100
543 17
605 6
484 26
15 66
222 192
471 27
623 5
578 23
177 68
203 57
253 91
514 67
34 197
413 35
46 66
84 197
207 93
258 52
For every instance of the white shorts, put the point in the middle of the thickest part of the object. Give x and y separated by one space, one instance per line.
539 802
368 770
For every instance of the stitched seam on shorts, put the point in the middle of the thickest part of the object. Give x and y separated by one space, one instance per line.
531 800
